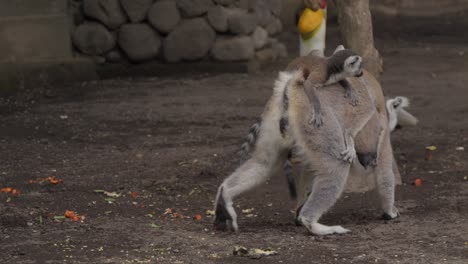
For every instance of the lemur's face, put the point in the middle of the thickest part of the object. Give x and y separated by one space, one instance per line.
353 66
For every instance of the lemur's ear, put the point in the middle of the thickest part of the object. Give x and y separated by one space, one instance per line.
340 47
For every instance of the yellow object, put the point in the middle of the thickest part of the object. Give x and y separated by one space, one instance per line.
310 20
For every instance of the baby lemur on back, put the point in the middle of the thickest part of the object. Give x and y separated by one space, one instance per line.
324 71
319 72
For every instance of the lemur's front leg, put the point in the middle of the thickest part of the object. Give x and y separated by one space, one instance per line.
311 92
349 154
349 93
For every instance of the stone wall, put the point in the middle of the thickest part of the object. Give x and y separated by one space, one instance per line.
115 31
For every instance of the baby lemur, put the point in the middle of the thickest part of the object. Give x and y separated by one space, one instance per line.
319 72
324 71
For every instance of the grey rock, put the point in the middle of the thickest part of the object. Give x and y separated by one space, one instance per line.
235 48
274 27
263 9
260 37
266 55
192 8
114 56
241 22
276 7
164 16
280 49
218 18
94 39
140 42
136 9
108 12
192 39
264 17
224 2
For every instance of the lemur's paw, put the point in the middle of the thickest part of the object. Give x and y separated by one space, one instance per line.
349 155
225 215
352 97
316 120
322 230
394 214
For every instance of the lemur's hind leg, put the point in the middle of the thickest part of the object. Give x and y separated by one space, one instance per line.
385 180
327 186
250 174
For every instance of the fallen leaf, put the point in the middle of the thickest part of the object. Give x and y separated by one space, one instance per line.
112 194
431 148
109 200
10 190
248 211
153 225
168 211
59 217
50 179
74 216
53 180
197 217
209 212
418 182
135 194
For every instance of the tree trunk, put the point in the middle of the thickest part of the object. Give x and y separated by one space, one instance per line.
356 30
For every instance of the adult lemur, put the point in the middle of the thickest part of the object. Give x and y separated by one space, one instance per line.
271 149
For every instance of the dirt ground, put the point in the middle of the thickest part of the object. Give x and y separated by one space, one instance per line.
168 142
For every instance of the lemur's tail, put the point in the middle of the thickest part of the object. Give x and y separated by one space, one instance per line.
250 140
397 115
288 170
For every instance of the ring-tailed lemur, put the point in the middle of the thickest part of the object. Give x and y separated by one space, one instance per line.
272 148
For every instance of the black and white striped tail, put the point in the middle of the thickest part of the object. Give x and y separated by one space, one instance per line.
250 140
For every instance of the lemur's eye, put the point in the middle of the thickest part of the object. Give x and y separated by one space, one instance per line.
356 59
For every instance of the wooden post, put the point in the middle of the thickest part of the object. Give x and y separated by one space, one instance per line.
356 29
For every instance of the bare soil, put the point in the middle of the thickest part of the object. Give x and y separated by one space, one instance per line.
173 140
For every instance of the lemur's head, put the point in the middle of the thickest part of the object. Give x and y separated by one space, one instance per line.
345 63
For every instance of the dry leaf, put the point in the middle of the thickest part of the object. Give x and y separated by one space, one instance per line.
197 217
431 148
209 212
248 211
6 190
418 182
73 216
10 190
